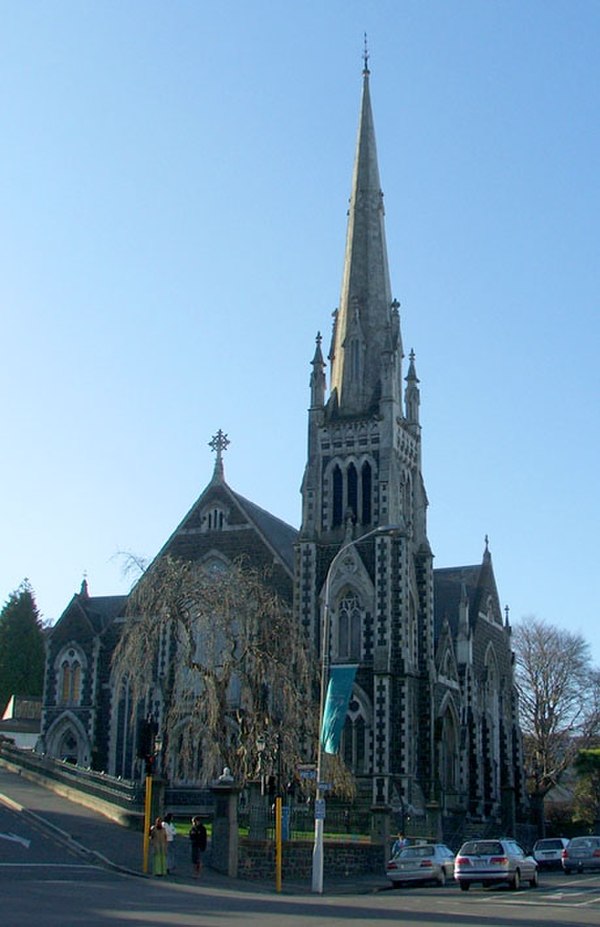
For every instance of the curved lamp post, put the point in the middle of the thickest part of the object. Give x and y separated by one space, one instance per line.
317 867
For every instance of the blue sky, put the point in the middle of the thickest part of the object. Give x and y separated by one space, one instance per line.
174 179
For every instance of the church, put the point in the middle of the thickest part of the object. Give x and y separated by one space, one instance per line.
432 720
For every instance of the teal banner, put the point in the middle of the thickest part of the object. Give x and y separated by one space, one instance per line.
339 690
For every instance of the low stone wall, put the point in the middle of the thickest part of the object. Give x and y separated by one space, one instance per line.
340 859
119 800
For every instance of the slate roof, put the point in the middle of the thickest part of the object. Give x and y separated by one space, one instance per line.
447 591
448 583
278 534
103 609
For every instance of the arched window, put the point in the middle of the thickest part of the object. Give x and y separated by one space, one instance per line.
338 497
70 678
352 479
354 739
355 358
349 628
366 480
449 752
214 519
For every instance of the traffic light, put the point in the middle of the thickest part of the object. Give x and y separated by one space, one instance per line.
147 731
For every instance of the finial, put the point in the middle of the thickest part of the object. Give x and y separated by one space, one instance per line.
395 305
506 613
84 591
319 339
487 543
366 57
219 443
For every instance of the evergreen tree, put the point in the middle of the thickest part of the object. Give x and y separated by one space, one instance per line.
21 646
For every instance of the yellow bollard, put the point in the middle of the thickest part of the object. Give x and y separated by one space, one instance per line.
278 843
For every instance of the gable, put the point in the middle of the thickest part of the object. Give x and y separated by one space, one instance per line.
224 523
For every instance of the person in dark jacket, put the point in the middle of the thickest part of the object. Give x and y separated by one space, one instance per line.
198 843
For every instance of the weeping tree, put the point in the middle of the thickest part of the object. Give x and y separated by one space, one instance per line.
231 672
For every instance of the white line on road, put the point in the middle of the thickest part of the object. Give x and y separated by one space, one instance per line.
16 839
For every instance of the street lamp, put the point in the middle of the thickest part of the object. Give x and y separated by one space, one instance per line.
317 868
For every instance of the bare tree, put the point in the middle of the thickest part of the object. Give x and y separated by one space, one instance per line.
555 680
221 656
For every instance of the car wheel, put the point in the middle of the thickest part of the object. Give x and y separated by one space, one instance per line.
515 883
441 879
534 880
568 871
396 884
464 886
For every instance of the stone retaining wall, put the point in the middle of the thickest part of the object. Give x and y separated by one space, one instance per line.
256 859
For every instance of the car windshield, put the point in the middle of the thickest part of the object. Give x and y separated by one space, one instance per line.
482 848
549 845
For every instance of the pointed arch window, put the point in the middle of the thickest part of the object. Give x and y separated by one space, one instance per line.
366 486
349 628
352 479
338 497
214 519
70 679
354 739
355 358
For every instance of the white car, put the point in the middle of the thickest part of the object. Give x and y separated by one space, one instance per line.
548 852
492 862
424 862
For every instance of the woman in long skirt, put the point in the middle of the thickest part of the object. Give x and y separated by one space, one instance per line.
158 840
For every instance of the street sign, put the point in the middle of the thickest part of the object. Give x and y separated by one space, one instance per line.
325 786
320 809
308 773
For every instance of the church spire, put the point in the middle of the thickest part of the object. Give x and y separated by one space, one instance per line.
366 325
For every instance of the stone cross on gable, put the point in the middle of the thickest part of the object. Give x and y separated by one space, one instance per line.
219 443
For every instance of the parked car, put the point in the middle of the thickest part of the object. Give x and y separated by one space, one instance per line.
581 853
548 852
492 862
424 862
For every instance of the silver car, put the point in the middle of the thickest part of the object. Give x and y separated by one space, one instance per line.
581 853
493 862
424 862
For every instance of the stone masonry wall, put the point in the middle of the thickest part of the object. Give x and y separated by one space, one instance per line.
341 860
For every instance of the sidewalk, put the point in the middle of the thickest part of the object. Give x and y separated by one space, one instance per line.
91 836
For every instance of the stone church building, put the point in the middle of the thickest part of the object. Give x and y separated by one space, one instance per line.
432 720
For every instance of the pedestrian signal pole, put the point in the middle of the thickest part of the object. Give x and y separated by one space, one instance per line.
147 731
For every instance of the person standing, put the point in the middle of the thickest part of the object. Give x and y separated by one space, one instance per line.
171 832
158 841
399 844
198 843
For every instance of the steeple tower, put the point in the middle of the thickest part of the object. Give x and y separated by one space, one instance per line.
366 322
363 472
